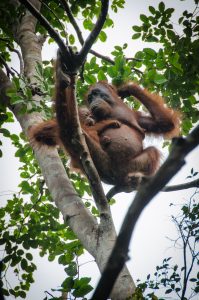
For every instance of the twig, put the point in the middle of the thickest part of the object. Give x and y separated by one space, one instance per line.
16 51
137 70
8 69
20 58
133 59
175 161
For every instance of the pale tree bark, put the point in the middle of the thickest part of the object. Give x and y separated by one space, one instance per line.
98 239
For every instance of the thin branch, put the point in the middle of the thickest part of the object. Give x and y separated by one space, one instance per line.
95 32
72 21
8 69
133 59
137 70
181 147
53 33
106 58
19 56
17 52
183 186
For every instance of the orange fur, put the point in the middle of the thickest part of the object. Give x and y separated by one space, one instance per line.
114 133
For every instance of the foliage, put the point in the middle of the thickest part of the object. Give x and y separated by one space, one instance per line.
30 220
170 278
174 66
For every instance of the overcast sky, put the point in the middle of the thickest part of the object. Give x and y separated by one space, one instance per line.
149 244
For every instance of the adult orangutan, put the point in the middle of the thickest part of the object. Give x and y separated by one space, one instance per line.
114 133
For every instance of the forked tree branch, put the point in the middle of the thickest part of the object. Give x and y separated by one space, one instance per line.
79 33
75 61
176 159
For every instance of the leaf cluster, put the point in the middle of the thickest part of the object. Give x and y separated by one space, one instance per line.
174 66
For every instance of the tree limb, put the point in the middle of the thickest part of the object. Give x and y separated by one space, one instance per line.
95 32
183 186
171 188
176 159
72 21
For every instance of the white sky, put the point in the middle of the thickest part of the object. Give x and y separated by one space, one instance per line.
149 244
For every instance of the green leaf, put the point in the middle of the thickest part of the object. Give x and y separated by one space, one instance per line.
71 39
160 79
15 260
51 257
137 28
88 24
20 252
171 35
112 72
151 52
101 75
90 79
29 256
136 36
109 22
24 264
93 62
71 270
65 258
81 287
67 284
144 18
24 175
26 188
168 291
22 294
193 279
2 214
102 36
152 10
82 291
161 6
152 39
